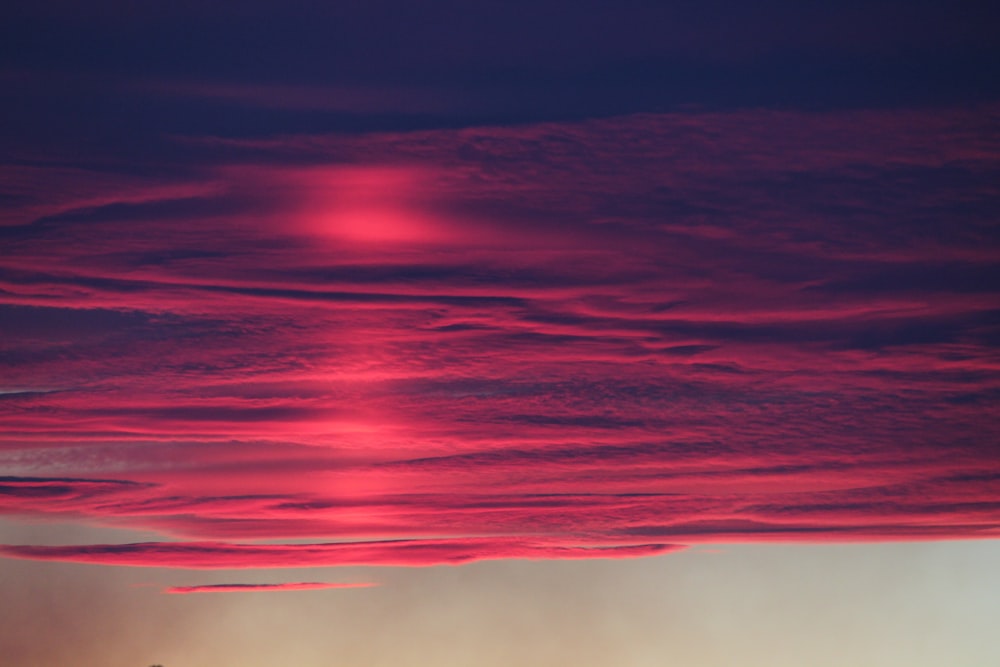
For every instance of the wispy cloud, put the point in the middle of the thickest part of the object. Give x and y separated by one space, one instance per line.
407 553
522 342
267 588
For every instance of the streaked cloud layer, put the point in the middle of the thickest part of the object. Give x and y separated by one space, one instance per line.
561 340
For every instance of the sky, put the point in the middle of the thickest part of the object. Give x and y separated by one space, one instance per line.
499 333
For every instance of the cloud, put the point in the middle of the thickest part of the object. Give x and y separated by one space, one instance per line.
407 553
523 341
62 495
256 588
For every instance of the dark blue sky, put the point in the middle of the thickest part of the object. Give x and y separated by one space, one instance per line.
108 76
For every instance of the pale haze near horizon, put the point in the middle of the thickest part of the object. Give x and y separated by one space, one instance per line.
866 605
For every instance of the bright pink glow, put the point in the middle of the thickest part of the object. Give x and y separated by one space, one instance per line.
267 588
522 342
366 206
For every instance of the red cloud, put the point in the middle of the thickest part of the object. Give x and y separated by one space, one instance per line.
678 328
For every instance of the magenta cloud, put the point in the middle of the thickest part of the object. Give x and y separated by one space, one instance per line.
561 340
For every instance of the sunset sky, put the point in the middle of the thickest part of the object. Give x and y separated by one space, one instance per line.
516 334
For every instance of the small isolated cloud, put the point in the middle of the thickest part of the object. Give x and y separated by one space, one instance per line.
252 588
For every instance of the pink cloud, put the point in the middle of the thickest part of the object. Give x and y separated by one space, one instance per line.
408 553
679 328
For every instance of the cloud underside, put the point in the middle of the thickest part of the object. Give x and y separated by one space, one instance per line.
404 553
597 339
